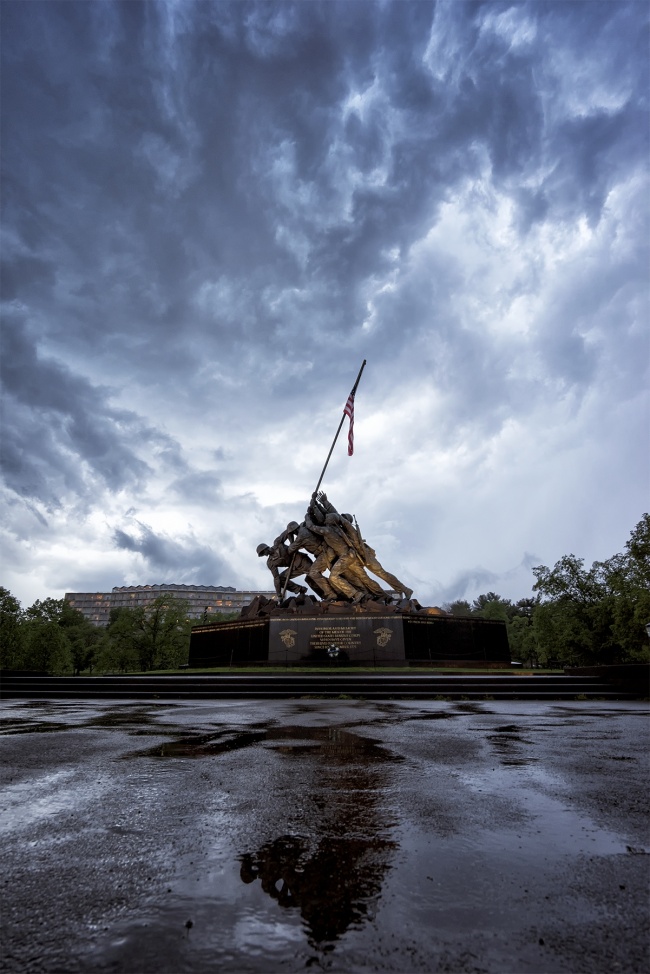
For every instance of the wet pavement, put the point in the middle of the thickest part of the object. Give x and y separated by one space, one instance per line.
316 834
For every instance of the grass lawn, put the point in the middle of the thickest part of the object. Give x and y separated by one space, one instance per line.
342 671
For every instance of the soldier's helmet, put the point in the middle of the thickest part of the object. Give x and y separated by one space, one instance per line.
292 526
348 517
262 549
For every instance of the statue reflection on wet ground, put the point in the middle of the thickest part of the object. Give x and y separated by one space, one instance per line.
331 867
333 885
333 874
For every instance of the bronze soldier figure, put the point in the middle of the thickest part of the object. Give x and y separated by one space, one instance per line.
323 558
278 557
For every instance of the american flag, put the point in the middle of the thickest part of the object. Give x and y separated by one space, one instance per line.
349 411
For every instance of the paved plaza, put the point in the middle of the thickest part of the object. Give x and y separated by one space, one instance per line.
342 835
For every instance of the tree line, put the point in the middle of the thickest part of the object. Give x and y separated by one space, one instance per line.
52 637
579 616
576 616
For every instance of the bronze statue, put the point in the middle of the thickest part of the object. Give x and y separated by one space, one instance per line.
334 540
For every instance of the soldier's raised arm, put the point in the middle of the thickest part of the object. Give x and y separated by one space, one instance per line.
312 526
326 505
289 532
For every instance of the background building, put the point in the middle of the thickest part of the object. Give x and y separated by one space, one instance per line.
203 599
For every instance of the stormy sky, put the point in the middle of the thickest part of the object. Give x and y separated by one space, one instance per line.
214 211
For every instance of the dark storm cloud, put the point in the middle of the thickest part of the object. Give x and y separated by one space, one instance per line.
185 559
154 138
591 154
59 432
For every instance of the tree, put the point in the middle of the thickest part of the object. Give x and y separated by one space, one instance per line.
164 628
85 640
208 617
118 649
638 553
12 642
81 636
596 615
627 579
154 637
521 632
492 606
47 647
573 622
49 610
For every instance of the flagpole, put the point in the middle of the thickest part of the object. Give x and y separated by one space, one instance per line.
320 479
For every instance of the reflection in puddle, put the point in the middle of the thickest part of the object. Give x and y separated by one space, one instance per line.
434 715
49 716
23 725
331 868
328 742
333 885
471 707
122 717
508 749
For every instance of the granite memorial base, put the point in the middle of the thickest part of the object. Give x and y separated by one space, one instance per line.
351 638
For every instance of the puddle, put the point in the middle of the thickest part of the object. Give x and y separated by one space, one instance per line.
471 707
259 897
23 725
48 718
437 715
575 717
332 743
506 740
121 718
508 747
32 705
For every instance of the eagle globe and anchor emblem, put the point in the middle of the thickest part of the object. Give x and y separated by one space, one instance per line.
383 635
288 637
